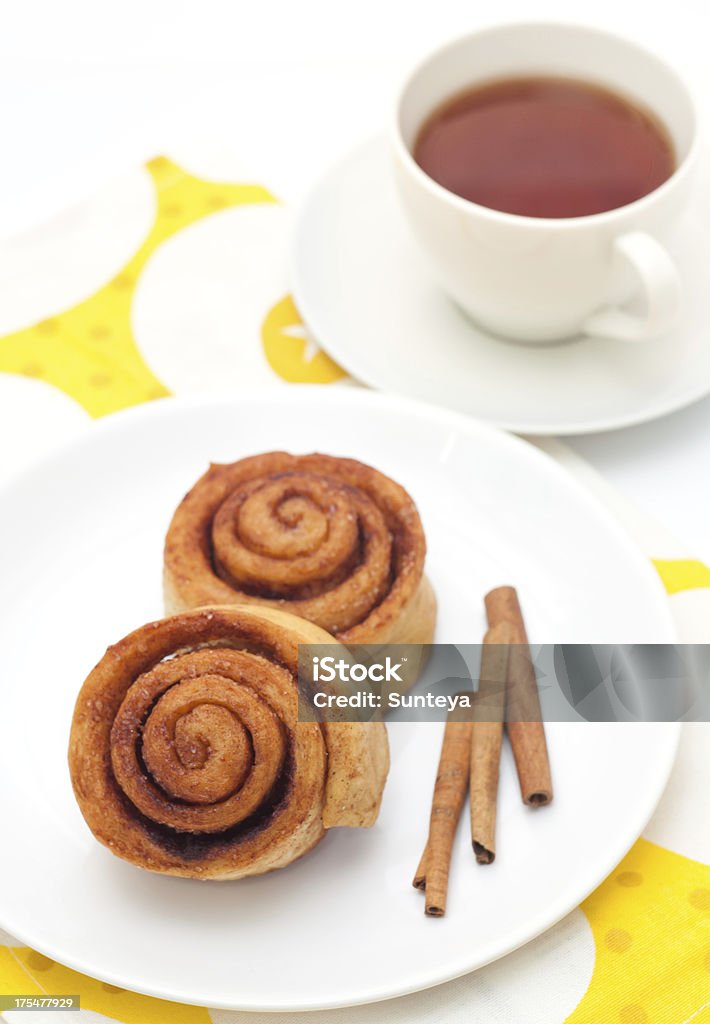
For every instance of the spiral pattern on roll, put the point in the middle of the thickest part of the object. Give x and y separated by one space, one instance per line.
195 745
187 756
329 539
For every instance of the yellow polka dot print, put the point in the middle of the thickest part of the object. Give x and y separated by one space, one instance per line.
89 351
24 971
682 574
288 351
651 926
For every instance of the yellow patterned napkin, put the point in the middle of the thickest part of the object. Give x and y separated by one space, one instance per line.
197 301
90 351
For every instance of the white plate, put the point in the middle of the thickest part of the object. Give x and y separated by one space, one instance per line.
80 546
368 297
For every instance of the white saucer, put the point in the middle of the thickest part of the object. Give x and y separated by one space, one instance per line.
367 296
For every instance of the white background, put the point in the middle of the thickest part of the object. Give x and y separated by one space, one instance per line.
88 87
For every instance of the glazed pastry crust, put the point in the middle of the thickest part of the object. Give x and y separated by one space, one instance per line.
186 756
330 539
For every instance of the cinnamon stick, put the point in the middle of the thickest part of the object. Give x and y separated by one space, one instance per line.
487 740
449 796
523 716
419 880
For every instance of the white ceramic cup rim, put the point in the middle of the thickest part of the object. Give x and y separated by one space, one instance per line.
521 220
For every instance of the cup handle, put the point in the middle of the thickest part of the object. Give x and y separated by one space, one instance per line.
660 288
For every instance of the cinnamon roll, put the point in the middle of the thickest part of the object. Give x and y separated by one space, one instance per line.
329 539
187 758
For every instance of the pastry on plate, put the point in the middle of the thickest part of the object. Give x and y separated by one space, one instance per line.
187 756
330 539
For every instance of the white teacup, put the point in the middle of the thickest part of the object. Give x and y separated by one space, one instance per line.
536 279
